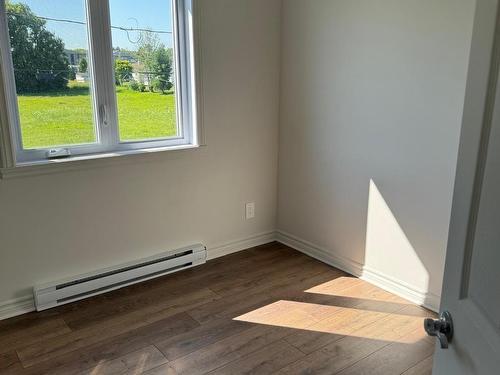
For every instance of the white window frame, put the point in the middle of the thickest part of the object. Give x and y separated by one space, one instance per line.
104 92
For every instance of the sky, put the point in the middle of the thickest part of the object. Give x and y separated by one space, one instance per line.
148 14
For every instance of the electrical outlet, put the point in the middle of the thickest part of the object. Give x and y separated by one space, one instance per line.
250 210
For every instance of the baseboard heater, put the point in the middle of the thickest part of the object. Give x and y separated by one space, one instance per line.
99 282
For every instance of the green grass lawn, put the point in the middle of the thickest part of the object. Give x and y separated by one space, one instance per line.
65 117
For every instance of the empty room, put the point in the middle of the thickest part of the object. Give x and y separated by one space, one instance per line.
194 187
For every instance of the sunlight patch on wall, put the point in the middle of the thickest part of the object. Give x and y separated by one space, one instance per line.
388 249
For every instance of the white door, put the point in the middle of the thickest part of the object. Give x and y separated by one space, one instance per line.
471 291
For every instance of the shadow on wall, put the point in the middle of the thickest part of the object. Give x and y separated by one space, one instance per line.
388 251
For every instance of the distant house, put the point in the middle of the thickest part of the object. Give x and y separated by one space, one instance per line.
82 77
125 55
75 56
141 75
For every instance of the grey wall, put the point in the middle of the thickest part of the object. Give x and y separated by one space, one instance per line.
57 225
373 90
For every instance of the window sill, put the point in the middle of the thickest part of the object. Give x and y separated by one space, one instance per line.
74 163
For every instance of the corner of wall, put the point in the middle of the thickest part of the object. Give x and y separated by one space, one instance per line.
398 287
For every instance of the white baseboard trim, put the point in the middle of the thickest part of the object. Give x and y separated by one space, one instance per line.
239 245
398 287
15 307
23 305
319 253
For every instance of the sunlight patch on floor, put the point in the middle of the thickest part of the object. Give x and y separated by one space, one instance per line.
352 287
337 320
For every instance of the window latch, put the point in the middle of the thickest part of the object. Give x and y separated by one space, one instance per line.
103 114
58 153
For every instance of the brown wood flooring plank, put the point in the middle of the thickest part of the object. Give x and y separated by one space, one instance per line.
15 338
15 369
133 363
393 359
228 350
47 349
161 370
422 368
264 361
115 347
347 318
282 288
341 324
346 350
266 310
27 320
8 360
199 337
268 275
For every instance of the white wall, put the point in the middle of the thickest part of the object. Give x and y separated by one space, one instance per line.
53 226
373 90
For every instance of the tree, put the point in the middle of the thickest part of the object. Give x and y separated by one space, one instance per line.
83 66
123 71
156 60
40 62
162 68
72 74
149 43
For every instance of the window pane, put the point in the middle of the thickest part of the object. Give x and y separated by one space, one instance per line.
49 51
143 61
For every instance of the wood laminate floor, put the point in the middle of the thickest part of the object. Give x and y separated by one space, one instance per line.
266 310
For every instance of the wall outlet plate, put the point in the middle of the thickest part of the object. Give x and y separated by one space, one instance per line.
250 210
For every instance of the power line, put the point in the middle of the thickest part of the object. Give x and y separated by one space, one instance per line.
126 29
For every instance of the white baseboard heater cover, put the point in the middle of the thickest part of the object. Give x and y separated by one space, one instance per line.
99 282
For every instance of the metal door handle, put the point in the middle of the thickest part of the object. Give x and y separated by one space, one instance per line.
441 328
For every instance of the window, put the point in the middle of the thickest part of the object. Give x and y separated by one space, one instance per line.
97 76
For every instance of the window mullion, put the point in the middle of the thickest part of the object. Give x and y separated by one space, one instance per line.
10 129
103 74
186 100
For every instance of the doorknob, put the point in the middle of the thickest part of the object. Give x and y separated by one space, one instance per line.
441 328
